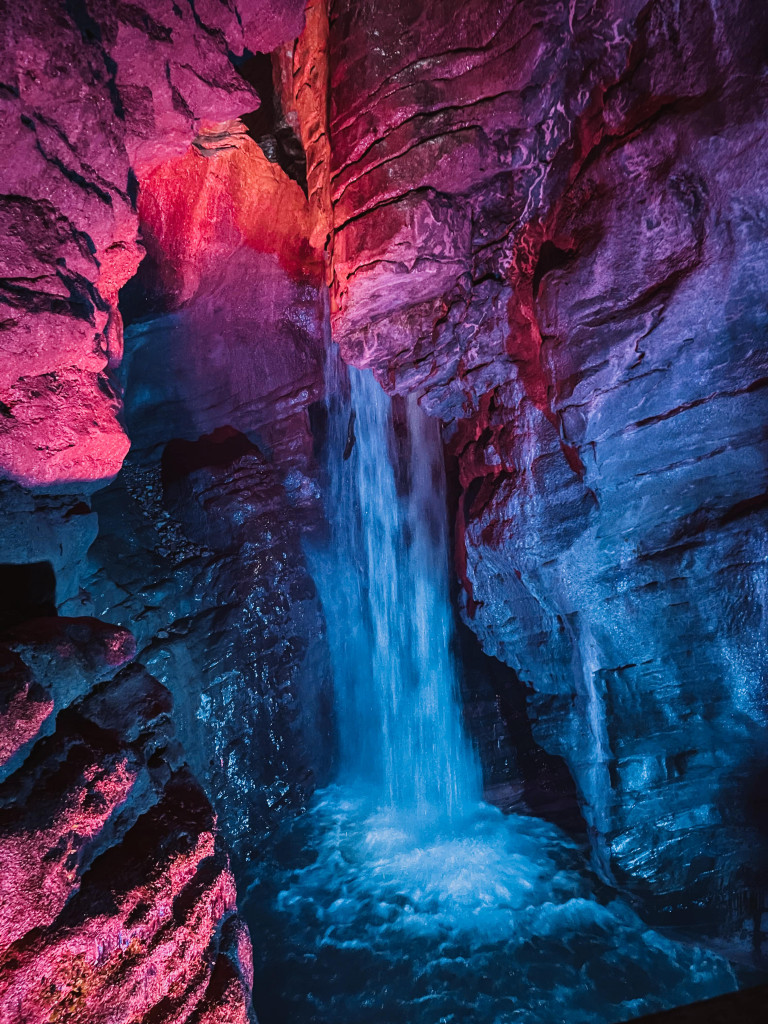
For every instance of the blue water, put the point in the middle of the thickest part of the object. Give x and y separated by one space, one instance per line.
383 581
400 896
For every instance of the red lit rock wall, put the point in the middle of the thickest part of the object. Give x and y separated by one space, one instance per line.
550 221
92 94
200 542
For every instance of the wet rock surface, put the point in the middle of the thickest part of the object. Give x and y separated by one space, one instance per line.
541 226
549 221
116 896
196 554
200 537
92 93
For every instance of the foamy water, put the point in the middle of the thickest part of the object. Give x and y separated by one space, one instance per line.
363 915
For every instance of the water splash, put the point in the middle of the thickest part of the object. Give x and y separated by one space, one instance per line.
356 921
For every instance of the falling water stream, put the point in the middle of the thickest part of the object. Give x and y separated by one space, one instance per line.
399 897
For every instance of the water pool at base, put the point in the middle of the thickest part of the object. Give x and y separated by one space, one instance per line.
400 897
361 917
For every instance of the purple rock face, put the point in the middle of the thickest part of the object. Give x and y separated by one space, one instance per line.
200 535
108 846
93 95
550 222
547 220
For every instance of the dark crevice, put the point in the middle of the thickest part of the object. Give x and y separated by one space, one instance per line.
27 591
757 385
518 773
268 126
745 508
18 297
68 172
551 257
90 31
132 187
422 190
220 449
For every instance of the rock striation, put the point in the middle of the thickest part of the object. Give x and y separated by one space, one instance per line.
116 896
546 219
92 95
199 548
549 221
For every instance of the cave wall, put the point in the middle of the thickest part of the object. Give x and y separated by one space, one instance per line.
100 811
117 897
94 94
549 221
200 536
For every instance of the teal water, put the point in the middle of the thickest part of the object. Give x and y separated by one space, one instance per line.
400 896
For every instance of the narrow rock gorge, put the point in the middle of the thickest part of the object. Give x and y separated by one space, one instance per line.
251 596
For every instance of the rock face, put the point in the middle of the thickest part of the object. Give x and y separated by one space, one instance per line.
549 220
199 546
116 897
197 542
93 94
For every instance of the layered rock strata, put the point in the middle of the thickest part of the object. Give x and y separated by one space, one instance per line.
116 898
549 221
200 546
94 94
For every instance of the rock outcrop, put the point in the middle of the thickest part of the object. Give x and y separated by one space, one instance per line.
199 548
549 220
109 108
116 897
93 94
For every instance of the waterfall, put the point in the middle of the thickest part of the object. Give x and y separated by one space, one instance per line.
383 581
399 897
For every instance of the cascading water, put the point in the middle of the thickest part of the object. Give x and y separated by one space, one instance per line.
399 896
384 586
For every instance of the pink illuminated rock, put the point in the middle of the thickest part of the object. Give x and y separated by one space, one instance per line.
24 705
228 249
116 898
96 95
135 938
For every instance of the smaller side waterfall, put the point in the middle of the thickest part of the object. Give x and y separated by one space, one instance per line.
383 583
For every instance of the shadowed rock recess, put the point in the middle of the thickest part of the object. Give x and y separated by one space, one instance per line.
547 220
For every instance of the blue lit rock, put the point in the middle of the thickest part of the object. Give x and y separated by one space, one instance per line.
200 536
596 347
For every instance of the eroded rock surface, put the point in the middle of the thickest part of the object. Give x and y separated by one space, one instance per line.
196 554
93 94
200 542
116 897
550 222
547 219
